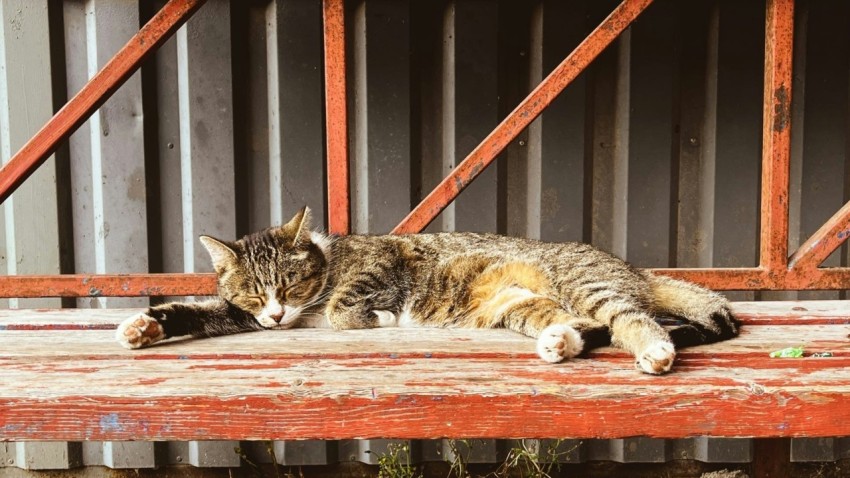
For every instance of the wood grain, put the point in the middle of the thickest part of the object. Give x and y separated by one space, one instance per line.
62 384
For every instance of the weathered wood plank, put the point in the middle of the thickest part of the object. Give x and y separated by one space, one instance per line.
295 399
414 383
753 345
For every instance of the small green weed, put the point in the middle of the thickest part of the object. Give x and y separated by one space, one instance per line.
396 463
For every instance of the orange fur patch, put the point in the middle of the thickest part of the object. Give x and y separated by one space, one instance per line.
502 286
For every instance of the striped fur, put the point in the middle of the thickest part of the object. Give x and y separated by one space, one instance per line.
569 296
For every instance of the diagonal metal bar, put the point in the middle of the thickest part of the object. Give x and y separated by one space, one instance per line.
776 134
336 121
522 116
823 242
94 93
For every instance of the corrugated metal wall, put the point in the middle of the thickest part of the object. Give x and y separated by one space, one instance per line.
653 153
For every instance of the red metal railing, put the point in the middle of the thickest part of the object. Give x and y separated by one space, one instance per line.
775 271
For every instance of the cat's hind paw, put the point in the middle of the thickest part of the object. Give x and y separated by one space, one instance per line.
657 358
140 330
558 342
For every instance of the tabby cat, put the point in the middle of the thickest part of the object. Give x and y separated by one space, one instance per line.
570 296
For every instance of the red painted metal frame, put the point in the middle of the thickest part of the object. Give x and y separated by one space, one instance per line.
337 124
775 270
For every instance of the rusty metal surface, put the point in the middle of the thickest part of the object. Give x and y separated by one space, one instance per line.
521 117
94 93
823 242
336 117
776 137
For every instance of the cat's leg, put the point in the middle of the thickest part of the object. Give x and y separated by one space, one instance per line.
705 314
634 330
348 309
617 297
559 335
197 319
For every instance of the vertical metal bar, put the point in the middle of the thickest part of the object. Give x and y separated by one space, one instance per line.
336 117
776 138
94 93
522 116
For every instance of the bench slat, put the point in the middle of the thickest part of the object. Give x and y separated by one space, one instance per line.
100 344
65 384
365 398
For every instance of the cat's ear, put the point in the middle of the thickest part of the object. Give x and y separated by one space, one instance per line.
223 256
299 226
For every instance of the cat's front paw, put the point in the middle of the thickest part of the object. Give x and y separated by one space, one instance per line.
140 330
657 358
558 342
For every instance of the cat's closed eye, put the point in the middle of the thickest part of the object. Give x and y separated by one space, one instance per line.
255 300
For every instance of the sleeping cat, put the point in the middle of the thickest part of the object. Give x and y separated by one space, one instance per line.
570 296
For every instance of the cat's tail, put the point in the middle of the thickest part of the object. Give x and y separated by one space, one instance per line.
692 315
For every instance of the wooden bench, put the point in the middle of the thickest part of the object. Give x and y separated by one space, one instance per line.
65 378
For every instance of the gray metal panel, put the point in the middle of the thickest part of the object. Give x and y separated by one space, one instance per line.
206 130
92 453
650 136
697 128
843 446
7 454
129 454
825 147
820 449
29 226
213 454
58 455
470 107
610 97
117 152
738 150
177 452
430 450
380 115
639 450
560 195
80 148
471 450
557 451
371 451
813 449
296 108
255 93
166 204
257 452
426 88
723 450
306 452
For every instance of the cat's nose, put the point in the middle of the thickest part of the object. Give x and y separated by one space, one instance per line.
277 317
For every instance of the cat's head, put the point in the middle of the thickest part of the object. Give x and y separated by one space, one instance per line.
273 274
